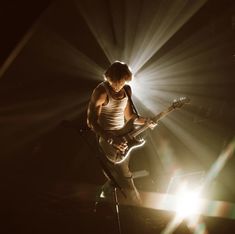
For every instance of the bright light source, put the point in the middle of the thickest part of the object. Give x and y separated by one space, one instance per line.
135 85
188 202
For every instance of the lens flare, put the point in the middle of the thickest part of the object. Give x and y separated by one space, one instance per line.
188 201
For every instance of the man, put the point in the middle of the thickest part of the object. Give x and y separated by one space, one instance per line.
109 109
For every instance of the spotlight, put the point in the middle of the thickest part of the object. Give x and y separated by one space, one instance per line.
187 202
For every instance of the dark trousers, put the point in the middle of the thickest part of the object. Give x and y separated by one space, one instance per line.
120 174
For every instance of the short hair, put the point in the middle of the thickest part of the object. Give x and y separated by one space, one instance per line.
117 71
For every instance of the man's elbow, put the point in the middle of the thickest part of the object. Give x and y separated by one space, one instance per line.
89 124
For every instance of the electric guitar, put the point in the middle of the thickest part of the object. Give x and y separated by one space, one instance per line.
130 133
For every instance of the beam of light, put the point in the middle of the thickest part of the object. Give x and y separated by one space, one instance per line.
66 59
134 33
187 69
166 154
21 44
26 120
187 205
198 139
200 229
187 201
178 181
170 202
164 22
17 50
187 56
102 29
42 116
172 225
147 43
190 68
190 136
220 163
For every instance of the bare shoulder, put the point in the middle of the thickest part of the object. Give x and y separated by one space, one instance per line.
99 94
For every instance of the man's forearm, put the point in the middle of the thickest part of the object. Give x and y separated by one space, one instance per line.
99 131
140 120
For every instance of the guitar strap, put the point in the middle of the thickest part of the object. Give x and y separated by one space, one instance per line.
130 99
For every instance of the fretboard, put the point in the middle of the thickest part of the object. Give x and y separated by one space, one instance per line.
155 119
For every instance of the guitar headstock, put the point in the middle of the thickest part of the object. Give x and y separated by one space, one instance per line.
178 103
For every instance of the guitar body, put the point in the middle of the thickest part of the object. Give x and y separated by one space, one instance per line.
130 133
113 154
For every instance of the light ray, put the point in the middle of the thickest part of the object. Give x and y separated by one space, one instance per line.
184 204
101 29
192 74
54 111
67 59
162 26
219 163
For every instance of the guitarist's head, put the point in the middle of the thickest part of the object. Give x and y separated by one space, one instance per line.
117 75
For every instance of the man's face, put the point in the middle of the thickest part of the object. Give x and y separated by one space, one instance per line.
118 85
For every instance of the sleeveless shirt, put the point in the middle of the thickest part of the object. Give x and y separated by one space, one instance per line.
112 114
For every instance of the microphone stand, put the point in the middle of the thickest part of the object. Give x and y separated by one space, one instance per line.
104 167
115 197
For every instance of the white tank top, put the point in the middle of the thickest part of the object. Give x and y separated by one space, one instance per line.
112 114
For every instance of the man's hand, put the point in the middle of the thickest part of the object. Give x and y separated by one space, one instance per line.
143 120
151 123
119 143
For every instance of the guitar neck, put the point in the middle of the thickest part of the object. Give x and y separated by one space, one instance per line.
154 119
162 114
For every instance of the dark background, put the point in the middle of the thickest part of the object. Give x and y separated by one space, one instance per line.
44 94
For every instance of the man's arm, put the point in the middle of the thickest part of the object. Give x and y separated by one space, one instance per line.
98 98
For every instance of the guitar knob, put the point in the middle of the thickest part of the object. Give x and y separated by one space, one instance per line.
140 139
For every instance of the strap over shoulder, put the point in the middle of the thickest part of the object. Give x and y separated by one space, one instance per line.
126 87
